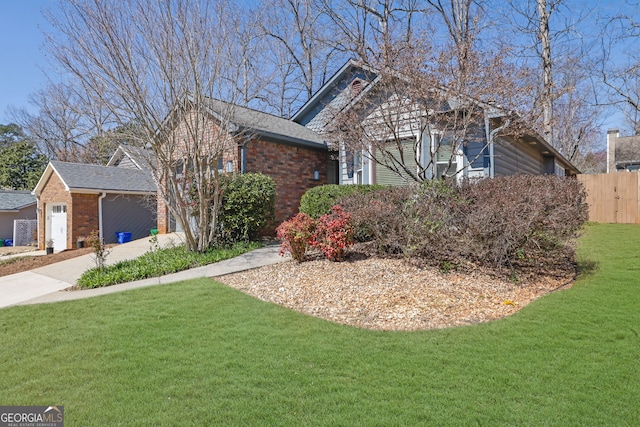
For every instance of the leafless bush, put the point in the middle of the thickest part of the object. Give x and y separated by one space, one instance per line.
517 222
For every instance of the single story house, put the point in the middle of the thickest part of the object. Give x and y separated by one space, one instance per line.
15 205
482 152
75 199
623 152
293 155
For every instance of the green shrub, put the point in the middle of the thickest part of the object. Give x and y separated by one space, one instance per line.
318 201
248 206
158 263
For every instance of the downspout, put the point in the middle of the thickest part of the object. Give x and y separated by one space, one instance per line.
243 156
102 196
487 125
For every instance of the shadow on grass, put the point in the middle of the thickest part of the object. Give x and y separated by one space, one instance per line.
586 268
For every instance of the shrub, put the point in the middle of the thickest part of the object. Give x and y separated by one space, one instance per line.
434 222
318 201
525 219
378 217
333 234
248 206
296 235
516 221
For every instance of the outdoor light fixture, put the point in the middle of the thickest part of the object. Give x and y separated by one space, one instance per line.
316 175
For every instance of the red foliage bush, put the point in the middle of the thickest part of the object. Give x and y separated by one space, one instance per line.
296 235
333 234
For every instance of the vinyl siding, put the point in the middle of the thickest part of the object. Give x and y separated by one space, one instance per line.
513 158
385 176
6 220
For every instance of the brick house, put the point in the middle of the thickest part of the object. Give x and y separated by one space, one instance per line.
74 199
294 156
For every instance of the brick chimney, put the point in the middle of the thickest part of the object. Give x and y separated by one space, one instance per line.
612 137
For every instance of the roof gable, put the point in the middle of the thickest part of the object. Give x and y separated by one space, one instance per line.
334 95
129 156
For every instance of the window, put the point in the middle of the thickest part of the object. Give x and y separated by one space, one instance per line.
59 209
443 146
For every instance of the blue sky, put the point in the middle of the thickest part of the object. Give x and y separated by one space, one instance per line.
21 44
21 39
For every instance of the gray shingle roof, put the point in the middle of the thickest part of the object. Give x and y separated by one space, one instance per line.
11 200
265 124
79 176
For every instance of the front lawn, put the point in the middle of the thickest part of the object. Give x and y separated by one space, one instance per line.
199 353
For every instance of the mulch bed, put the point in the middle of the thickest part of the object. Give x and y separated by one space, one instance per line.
392 294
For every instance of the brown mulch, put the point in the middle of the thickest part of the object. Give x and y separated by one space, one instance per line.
29 262
391 294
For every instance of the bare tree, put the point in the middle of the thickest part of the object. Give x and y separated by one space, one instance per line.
59 127
302 57
375 32
619 64
161 65
554 34
417 120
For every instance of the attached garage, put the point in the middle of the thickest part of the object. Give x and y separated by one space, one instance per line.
76 199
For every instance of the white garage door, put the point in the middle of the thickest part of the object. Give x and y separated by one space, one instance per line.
59 227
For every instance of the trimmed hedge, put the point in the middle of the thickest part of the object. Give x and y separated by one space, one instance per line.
318 201
248 206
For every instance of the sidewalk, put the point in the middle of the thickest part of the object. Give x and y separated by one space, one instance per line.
46 284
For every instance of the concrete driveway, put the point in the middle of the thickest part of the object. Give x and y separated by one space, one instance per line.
25 286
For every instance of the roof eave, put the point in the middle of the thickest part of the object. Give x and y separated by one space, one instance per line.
78 190
327 87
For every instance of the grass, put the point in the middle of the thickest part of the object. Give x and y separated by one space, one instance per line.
199 353
158 263
11 260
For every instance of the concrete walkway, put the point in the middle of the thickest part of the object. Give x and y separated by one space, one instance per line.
46 284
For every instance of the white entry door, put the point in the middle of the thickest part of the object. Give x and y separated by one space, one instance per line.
59 227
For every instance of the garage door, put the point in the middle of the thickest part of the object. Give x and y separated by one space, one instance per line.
59 227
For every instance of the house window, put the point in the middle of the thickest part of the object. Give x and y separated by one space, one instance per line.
443 146
357 166
58 209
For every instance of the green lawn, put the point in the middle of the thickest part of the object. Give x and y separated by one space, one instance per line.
198 353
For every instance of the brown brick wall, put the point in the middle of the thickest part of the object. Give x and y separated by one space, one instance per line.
82 211
291 168
84 216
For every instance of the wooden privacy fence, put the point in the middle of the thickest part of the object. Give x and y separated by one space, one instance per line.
613 197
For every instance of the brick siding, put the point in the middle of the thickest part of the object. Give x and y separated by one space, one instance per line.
292 168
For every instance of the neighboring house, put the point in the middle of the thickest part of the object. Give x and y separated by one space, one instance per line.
15 205
481 156
293 155
76 199
623 152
